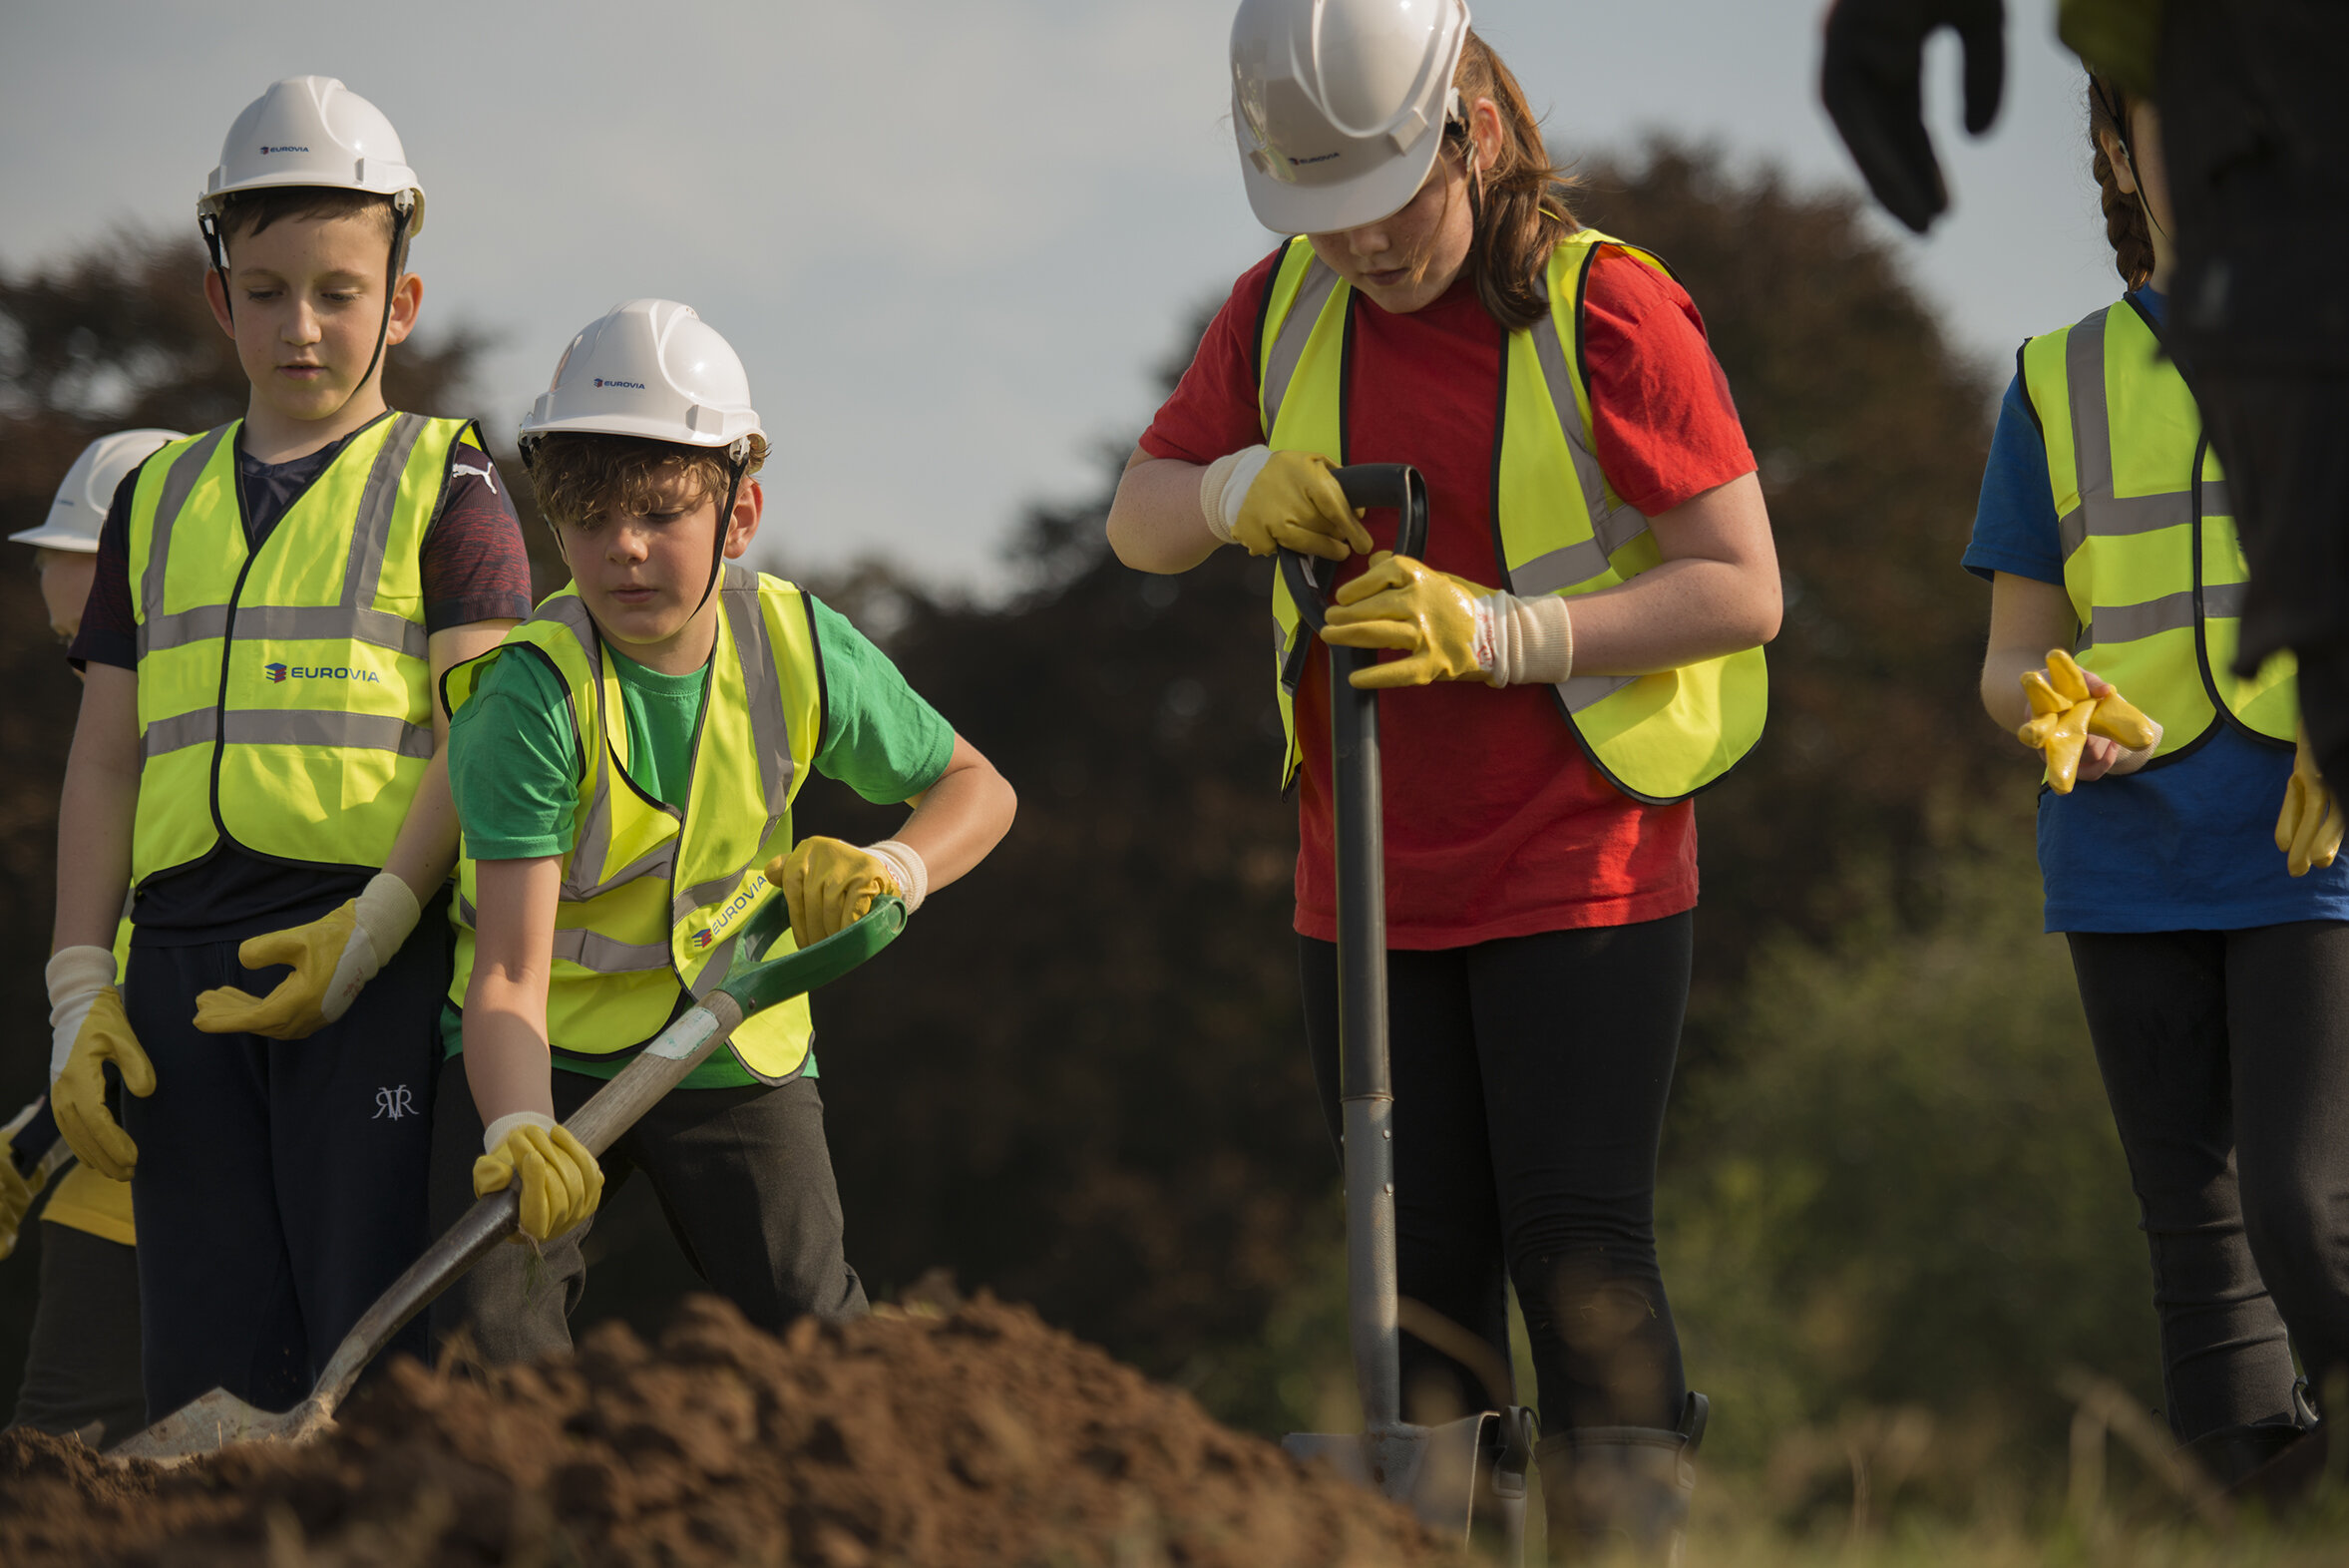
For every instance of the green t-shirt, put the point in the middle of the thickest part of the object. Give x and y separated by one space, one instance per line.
514 763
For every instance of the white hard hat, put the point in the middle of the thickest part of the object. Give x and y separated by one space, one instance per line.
649 367
313 130
89 487
1339 106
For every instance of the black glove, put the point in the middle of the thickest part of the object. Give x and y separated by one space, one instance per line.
1870 78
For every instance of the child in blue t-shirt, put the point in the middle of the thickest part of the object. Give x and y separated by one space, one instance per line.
2188 864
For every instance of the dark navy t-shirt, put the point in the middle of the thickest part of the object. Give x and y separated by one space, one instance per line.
2186 845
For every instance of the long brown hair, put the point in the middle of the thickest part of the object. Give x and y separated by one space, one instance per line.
1518 205
2125 224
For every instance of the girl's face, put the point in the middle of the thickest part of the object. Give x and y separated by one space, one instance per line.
1405 260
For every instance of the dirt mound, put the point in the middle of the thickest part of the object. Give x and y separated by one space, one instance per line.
975 1436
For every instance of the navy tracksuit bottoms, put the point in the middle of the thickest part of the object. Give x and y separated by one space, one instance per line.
282 1184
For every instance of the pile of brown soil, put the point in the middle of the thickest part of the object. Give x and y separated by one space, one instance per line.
975 1436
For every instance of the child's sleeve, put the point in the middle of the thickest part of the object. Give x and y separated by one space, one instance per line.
514 763
2015 521
879 738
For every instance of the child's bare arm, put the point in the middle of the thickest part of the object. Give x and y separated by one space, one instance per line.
962 816
95 816
506 1060
426 848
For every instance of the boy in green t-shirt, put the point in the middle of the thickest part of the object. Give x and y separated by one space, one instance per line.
623 769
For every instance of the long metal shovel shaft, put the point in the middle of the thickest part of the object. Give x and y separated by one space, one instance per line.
750 987
221 1418
1366 1086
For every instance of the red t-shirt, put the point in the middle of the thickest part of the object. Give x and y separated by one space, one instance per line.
1496 824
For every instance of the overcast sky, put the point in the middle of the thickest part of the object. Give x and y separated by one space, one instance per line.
950 237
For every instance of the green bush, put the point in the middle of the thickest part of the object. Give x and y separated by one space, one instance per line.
1902 1192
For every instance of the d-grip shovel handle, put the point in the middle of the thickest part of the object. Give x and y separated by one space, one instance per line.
1396 485
751 987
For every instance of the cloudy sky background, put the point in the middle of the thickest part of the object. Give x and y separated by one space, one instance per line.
951 238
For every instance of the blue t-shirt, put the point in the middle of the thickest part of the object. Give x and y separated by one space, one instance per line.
2186 846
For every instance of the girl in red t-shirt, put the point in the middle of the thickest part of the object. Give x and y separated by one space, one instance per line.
1538 918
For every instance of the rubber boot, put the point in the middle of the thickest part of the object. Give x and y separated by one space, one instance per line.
1606 1488
2233 1452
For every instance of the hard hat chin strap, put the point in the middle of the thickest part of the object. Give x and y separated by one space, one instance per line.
737 465
208 225
403 211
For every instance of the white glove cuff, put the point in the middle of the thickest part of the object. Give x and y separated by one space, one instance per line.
495 1133
387 912
1532 640
76 976
907 865
1223 488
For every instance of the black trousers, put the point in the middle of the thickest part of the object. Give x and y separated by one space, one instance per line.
280 1183
82 1366
743 1175
2227 1057
1530 1079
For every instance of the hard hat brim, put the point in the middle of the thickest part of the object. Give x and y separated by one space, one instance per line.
50 537
208 205
1378 192
644 427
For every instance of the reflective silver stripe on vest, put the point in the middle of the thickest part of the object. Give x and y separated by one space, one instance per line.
176 486
2169 612
594 951
1288 340
1612 528
770 741
378 628
179 732
290 727
2117 517
770 729
352 618
593 844
1584 690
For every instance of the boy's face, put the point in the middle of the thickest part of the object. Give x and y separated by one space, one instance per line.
307 294
644 574
65 587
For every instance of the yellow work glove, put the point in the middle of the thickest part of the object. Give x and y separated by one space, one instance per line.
77 1097
1427 615
1264 501
561 1181
2064 713
17 1192
332 958
830 885
2309 830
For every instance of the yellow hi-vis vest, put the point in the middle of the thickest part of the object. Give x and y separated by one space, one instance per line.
2152 561
284 696
1560 527
649 897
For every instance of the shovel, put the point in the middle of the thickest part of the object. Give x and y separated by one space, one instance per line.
1438 1472
218 1419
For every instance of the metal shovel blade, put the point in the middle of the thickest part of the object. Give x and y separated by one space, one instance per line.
216 1420
1432 1470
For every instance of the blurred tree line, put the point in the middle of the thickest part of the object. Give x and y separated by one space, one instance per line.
1890 1183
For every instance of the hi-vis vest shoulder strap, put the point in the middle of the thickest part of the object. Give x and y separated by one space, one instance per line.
652 897
1559 526
284 695
2152 561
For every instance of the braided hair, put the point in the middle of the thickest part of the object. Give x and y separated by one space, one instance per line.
2127 226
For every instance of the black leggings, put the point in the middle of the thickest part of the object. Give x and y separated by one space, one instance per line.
1530 1077
2227 1057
